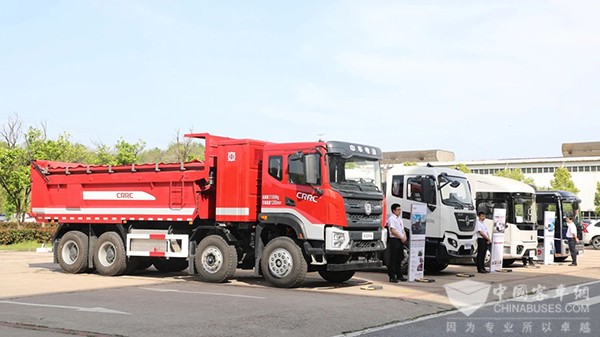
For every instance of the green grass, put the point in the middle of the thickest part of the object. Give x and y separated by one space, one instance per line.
28 246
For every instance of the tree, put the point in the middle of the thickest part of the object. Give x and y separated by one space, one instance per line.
515 174
562 181
463 168
410 163
14 180
128 153
597 199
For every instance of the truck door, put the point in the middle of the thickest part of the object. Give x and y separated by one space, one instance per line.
421 189
294 195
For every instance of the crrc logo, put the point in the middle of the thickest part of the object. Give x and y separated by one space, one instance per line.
307 197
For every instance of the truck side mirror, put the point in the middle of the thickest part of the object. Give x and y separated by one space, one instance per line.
311 168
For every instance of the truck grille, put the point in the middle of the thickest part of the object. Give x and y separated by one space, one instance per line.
359 214
465 221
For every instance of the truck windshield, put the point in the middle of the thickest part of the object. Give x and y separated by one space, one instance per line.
354 173
455 192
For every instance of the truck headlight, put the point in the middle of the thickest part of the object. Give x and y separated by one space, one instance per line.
453 242
338 239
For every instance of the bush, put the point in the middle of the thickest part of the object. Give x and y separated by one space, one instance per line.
11 234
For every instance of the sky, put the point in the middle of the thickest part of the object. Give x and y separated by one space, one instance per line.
483 79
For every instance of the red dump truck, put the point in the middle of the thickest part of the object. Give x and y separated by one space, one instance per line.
280 209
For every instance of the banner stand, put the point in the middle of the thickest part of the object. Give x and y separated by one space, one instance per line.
498 239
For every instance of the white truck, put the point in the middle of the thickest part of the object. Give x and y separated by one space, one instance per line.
518 198
450 226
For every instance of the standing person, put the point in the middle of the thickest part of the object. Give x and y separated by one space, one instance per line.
396 242
483 239
572 239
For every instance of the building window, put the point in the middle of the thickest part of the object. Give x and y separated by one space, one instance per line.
588 169
552 169
546 169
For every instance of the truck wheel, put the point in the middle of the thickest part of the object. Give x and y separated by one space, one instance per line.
72 252
283 264
433 266
170 265
215 260
595 241
336 276
110 258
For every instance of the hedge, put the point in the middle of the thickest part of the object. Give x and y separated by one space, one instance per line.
11 232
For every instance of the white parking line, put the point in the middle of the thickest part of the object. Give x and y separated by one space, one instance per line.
96 309
588 301
201 293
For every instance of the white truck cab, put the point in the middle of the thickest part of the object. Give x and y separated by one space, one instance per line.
518 198
451 215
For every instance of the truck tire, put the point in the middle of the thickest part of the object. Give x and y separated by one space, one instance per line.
72 252
215 260
170 265
283 264
109 257
336 276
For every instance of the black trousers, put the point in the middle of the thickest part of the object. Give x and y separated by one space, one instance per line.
396 257
573 249
482 247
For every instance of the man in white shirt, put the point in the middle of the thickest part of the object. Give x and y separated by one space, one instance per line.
396 241
483 240
572 239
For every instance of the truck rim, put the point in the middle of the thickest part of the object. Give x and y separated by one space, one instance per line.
212 259
70 252
107 254
280 263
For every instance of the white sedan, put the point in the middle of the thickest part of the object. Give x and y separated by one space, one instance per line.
591 234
